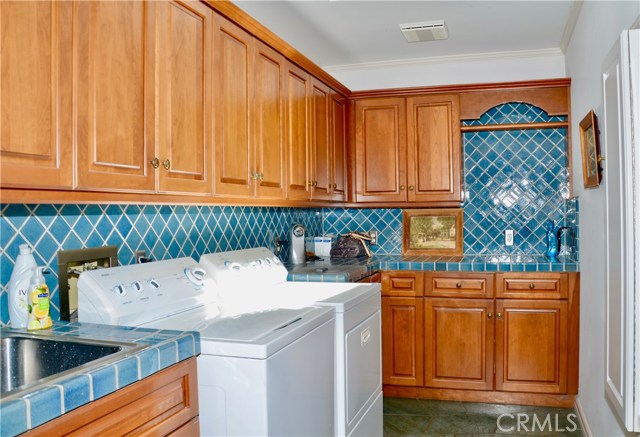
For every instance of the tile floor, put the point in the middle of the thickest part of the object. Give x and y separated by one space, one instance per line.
420 417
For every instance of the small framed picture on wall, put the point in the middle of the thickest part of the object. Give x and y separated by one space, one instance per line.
436 231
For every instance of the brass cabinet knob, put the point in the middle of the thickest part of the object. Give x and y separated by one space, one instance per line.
401 187
411 187
499 316
261 176
489 316
335 186
155 162
166 164
310 183
458 285
315 183
532 286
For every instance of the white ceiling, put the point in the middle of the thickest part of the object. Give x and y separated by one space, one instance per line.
341 32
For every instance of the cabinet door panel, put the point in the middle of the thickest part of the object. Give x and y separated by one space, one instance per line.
402 341
381 150
35 94
233 160
531 346
268 120
115 95
320 150
459 343
434 151
185 96
338 133
297 134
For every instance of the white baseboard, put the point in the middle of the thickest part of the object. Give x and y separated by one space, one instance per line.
583 419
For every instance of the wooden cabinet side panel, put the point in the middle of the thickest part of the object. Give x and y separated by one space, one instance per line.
114 50
459 343
185 134
233 158
531 346
35 94
268 121
380 145
338 132
156 405
402 341
297 133
434 148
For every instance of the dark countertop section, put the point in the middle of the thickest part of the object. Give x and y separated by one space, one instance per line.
351 270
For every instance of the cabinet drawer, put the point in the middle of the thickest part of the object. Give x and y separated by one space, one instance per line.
532 285
455 284
401 283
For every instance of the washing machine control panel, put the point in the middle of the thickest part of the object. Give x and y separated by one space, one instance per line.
140 293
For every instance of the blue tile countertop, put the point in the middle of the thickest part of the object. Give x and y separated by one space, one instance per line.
44 403
351 270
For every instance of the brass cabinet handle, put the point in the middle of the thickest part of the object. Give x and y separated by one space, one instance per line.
458 285
489 316
532 286
401 187
166 164
335 186
411 187
155 162
499 316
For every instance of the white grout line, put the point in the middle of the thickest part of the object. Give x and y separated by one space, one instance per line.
28 405
62 406
88 375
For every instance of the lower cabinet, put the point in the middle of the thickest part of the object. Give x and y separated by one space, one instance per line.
444 341
165 403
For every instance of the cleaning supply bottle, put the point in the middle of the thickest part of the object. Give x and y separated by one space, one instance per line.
19 283
38 302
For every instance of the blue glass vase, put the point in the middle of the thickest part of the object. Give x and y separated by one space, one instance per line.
552 241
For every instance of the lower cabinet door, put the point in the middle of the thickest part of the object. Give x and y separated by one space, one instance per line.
402 341
459 343
531 345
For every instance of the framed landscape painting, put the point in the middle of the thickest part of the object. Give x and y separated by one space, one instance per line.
432 231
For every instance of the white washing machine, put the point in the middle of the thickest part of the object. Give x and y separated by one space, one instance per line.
259 276
267 372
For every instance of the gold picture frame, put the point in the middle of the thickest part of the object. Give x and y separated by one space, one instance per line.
591 170
432 231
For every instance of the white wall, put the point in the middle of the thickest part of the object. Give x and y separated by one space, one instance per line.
480 68
598 27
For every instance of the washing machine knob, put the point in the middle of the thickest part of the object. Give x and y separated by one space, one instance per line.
195 275
119 290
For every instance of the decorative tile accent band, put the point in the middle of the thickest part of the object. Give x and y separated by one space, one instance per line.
162 231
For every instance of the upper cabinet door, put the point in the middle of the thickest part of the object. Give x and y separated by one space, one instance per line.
35 94
235 169
338 132
297 132
184 64
320 146
381 159
434 152
268 111
114 45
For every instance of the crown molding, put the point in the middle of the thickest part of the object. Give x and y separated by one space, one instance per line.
574 13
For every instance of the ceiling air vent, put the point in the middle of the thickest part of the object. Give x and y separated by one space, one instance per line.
425 31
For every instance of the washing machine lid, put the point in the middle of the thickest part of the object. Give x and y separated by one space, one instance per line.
255 335
341 296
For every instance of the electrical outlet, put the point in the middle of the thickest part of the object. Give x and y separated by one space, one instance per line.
374 238
138 254
508 237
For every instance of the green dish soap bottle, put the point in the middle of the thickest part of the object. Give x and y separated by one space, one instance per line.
39 317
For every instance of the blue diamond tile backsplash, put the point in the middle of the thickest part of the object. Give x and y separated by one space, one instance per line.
514 179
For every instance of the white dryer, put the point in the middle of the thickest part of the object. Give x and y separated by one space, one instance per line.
267 372
260 278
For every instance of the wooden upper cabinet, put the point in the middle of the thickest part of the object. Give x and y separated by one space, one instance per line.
381 152
114 44
234 166
297 132
35 94
434 148
338 133
459 343
531 345
184 131
268 111
320 148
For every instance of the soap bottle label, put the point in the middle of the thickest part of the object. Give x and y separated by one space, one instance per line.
39 308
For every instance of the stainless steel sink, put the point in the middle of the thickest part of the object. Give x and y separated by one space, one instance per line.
27 360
